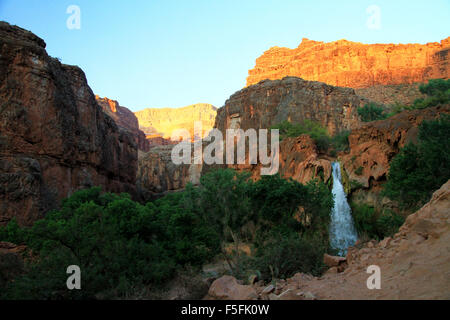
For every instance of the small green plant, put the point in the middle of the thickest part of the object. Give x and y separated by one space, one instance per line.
359 171
371 112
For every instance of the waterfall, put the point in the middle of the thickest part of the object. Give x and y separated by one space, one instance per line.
342 230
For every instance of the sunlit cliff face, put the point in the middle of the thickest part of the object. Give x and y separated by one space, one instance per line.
163 122
352 64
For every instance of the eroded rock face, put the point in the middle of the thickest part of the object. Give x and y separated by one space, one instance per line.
157 173
404 94
54 138
299 160
374 144
124 119
293 99
353 64
273 101
161 122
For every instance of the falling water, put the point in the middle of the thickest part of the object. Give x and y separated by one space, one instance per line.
342 230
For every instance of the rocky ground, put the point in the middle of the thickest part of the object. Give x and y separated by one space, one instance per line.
414 264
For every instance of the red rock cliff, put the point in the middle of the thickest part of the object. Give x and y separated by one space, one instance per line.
54 137
353 64
124 119
273 101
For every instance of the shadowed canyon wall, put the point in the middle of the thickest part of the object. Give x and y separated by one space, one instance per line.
125 119
54 137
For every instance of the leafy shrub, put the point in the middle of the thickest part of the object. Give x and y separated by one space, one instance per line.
359 171
438 92
318 133
373 225
371 112
388 223
283 256
420 169
340 141
117 243
122 246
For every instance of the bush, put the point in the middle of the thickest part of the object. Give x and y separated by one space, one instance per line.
314 130
283 256
371 112
122 246
318 133
373 225
117 243
420 169
438 92
340 141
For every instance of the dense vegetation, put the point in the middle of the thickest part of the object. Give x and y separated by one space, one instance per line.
371 224
318 133
121 245
437 92
419 169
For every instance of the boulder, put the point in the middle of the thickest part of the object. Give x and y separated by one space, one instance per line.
227 288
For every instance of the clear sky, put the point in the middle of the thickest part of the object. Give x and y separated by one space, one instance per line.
172 53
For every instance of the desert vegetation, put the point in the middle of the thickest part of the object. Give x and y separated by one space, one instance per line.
122 246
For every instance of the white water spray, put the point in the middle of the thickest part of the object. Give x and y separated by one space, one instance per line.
342 230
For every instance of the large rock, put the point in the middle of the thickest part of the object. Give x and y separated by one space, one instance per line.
372 147
158 174
125 119
54 137
227 288
293 99
299 160
353 64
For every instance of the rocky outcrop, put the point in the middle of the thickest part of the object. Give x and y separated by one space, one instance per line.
54 138
372 147
403 94
125 119
353 64
163 121
157 173
293 99
299 160
414 264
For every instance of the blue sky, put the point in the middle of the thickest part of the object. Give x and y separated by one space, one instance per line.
168 53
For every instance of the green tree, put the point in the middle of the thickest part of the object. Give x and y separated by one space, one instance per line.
371 112
419 169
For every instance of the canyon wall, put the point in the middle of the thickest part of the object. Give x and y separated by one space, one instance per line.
372 147
125 119
353 64
162 122
157 174
54 137
293 99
